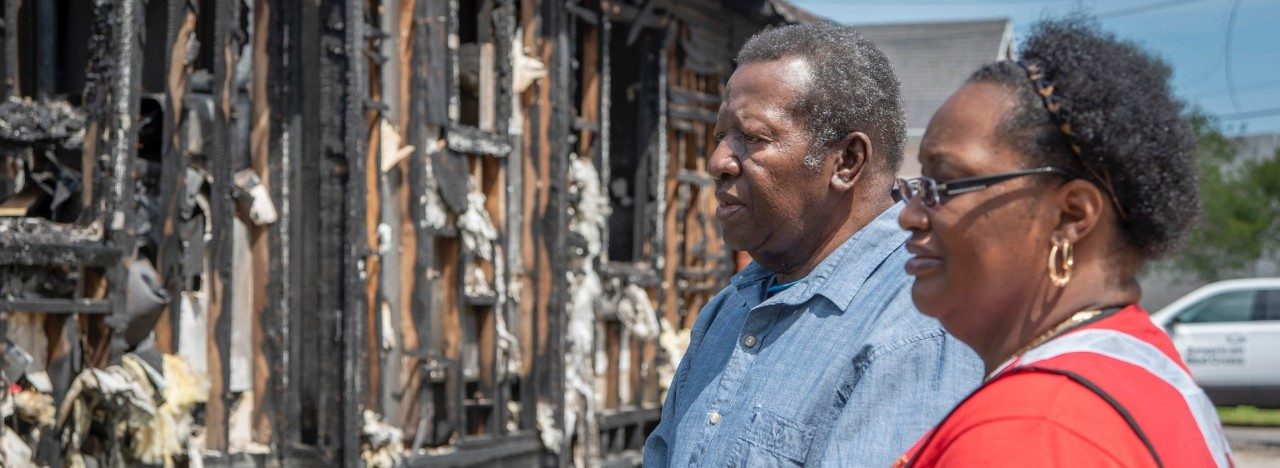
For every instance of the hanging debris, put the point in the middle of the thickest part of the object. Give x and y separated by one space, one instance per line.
636 312
14 452
587 218
672 342
478 233
254 199
381 444
130 413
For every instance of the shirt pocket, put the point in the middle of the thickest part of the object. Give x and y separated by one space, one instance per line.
773 440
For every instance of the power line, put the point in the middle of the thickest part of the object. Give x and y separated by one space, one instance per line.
1253 114
1145 8
1246 88
1231 82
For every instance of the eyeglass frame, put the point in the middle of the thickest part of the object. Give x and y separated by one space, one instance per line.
944 190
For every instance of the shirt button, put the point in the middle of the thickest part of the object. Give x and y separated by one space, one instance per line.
714 418
749 341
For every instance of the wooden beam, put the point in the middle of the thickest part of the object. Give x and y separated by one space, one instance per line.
264 276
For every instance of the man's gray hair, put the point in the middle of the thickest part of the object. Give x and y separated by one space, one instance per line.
852 88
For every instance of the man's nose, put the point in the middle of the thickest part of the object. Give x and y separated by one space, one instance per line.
723 164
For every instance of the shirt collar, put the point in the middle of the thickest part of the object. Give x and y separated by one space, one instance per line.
839 276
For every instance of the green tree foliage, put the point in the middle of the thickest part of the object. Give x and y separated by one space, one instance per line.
1240 220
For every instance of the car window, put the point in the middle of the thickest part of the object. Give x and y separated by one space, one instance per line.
1270 304
1234 306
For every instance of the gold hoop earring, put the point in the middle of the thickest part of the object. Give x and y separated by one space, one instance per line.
1061 258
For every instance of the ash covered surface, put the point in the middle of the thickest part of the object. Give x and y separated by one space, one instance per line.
30 122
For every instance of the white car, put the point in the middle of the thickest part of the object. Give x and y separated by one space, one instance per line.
1229 334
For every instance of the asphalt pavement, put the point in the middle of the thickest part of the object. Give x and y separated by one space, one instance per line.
1254 447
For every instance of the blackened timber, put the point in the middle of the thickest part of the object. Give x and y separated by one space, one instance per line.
356 248
640 274
125 87
454 90
603 155
46 48
557 216
582 13
689 177
637 22
9 50
173 166
424 244
332 266
584 124
34 241
56 306
685 96
694 113
501 451
465 139
628 416
221 204
505 28
284 183
435 18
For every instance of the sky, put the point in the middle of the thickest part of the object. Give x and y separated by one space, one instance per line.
1210 51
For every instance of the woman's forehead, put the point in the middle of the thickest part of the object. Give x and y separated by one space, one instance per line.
965 130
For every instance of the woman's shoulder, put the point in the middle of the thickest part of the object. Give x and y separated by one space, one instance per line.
1039 412
1027 394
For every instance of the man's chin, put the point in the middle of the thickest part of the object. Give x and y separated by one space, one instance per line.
737 243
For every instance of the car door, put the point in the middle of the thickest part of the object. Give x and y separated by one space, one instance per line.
1263 354
1211 336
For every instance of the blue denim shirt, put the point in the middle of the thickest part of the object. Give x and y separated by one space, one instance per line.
839 369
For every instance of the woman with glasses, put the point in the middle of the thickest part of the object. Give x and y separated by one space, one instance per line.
1049 182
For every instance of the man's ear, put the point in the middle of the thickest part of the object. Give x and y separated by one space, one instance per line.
851 155
1080 207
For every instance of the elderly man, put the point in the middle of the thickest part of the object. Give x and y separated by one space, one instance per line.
814 354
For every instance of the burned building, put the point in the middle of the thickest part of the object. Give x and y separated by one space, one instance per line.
344 232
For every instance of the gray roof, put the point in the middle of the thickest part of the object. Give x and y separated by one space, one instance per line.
934 59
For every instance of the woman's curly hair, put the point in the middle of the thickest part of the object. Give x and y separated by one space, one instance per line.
1123 118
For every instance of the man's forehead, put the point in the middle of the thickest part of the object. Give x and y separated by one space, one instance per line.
794 70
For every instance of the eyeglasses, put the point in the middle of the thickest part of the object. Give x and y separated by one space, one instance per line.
933 193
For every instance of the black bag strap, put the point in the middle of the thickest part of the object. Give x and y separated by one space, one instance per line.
1077 378
1115 404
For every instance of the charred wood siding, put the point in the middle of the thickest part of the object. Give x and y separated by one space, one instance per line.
377 218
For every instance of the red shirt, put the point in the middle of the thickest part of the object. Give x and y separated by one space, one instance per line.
1036 418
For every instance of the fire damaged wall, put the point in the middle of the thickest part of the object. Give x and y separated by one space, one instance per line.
354 232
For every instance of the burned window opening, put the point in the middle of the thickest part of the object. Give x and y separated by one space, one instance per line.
633 128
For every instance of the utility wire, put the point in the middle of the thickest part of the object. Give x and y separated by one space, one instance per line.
1231 82
1246 88
1253 114
1144 8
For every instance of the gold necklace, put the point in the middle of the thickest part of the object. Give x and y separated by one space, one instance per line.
1072 321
